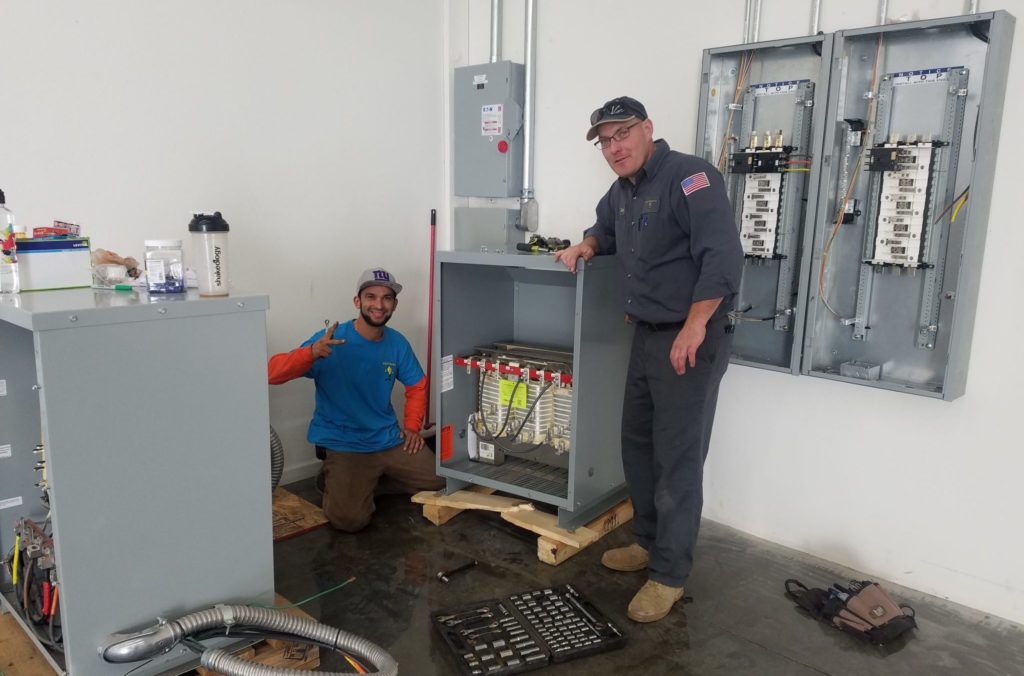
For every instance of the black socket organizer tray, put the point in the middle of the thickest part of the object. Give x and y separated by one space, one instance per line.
526 631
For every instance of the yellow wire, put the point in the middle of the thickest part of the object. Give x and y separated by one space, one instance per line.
355 665
17 551
958 207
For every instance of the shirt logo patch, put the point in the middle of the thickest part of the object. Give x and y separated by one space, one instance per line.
389 370
694 183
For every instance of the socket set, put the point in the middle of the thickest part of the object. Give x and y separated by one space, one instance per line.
526 631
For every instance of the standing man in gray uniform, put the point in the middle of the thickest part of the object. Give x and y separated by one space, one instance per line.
670 222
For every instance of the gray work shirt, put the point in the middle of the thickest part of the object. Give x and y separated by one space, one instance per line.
676 238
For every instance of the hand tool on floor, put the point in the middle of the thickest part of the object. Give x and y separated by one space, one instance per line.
443 575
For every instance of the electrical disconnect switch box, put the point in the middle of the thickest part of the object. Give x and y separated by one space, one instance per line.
760 125
488 124
914 114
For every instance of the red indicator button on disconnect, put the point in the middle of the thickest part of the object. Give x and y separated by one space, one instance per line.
502 146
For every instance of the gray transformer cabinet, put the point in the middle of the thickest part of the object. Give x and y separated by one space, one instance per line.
482 299
153 413
760 124
913 122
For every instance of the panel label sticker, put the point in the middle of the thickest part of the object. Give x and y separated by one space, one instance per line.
911 77
10 502
447 373
512 391
775 88
3 388
5 451
491 120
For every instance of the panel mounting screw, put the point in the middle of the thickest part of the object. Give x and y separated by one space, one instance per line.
933 328
929 346
73 318
949 295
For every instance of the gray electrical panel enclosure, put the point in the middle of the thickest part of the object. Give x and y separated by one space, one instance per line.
761 123
529 300
911 139
487 139
153 413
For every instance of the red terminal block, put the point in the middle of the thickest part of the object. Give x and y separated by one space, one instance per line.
505 369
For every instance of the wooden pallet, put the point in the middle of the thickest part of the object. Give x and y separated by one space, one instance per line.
294 516
554 545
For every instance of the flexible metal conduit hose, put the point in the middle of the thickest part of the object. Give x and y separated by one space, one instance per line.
276 458
157 640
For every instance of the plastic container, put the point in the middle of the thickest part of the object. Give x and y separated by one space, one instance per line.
165 266
10 282
210 248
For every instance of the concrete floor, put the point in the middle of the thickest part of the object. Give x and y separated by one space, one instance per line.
738 622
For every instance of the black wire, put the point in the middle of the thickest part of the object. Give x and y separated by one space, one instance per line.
529 411
480 405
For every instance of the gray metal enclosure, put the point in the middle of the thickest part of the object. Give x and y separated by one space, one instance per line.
746 91
481 299
154 417
906 325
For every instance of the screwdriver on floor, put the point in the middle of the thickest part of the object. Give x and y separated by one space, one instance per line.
443 575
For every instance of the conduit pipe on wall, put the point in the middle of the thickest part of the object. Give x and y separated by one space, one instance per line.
496 15
528 216
815 17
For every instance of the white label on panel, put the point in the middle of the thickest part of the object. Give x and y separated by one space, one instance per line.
773 88
447 373
910 77
10 502
5 451
491 120
3 388
479 80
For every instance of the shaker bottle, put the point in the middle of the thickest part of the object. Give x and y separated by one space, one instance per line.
210 253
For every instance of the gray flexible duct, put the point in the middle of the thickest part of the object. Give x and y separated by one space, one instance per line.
276 458
160 639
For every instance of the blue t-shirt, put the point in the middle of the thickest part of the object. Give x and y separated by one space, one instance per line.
353 390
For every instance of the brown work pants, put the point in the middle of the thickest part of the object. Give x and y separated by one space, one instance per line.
352 479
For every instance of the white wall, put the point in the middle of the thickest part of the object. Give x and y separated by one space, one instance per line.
921 492
319 128
313 125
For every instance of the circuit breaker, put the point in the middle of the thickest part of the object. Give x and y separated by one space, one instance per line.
914 115
532 362
487 138
760 125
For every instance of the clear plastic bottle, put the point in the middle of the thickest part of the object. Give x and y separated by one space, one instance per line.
9 280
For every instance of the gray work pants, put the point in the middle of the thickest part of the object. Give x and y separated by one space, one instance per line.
666 429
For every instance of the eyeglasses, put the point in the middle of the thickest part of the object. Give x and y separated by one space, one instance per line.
620 135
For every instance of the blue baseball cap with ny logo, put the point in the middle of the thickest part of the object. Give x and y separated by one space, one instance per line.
378 277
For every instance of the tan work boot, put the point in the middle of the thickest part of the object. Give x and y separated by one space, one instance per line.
653 601
626 559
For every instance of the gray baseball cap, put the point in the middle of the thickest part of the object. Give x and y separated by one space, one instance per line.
617 110
378 277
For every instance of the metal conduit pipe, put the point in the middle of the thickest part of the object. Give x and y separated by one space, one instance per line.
746 20
883 12
815 17
972 7
161 638
276 458
527 205
756 28
496 15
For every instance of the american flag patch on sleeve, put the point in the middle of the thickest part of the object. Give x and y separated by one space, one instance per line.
694 183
